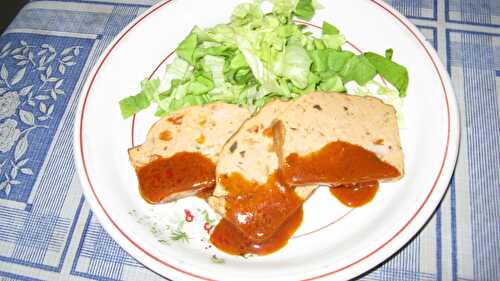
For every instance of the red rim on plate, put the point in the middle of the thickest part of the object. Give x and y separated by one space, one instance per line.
80 131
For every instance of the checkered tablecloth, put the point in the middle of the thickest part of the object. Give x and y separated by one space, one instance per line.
47 231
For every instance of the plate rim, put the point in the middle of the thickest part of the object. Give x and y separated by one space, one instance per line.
397 241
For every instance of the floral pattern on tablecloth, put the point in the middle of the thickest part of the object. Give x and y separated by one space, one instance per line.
32 86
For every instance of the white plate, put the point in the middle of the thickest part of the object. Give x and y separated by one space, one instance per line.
333 242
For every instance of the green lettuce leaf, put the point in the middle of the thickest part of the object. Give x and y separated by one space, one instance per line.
179 69
295 65
338 59
332 84
333 41
329 29
394 73
305 9
187 47
359 69
133 104
283 8
266 78
215 66
200 85
246 13
319 60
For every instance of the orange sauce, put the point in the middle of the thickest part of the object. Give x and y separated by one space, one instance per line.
355 195
229 239
183 171
335 164
259 217
205 193
258 210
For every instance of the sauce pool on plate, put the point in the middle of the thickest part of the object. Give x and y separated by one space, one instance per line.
258 210
355 195
228 238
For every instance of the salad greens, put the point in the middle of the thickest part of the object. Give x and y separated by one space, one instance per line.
259 56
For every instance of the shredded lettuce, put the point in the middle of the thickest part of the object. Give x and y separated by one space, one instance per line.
304 9
187 47
332 84
214 65
359 69
331 36
329 29
295 64
394 73
178 69
133 104
257 57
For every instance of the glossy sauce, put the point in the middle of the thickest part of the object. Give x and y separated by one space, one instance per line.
355 195
335 164
183 171
205 193
258 210
228 238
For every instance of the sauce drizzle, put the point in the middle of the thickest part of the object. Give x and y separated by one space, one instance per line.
184 171
258 210
336 163
205 193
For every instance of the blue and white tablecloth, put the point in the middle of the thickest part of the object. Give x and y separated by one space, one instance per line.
47 231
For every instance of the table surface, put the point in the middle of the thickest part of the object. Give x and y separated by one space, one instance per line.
47 231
